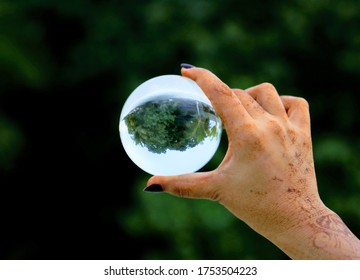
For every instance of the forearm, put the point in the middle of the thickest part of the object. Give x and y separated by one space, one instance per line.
324 236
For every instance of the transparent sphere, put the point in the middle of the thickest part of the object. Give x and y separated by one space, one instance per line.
169 127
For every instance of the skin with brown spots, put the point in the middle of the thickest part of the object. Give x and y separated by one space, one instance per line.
267 177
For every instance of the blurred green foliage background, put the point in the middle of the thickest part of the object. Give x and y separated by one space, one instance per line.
69 191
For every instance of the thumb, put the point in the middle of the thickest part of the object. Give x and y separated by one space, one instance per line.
194 185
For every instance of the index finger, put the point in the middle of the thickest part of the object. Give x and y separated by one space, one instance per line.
225 102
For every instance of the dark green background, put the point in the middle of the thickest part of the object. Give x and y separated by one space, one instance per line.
69 191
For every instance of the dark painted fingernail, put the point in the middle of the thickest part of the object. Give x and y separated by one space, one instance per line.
154 188
186 65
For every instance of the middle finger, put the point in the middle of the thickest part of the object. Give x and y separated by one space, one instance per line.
266 95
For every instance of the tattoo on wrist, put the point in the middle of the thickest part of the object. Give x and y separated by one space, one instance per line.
333 223
332 233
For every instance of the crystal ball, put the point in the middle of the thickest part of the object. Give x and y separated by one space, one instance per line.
169 127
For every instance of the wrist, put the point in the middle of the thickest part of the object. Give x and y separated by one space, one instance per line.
322 235
291 213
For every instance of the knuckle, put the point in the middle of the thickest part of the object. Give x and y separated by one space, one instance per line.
221 88
302 102
254 136
277 131
182 192
267 86
274 126
250 129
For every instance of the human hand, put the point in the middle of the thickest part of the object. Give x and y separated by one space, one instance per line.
267 177
268 168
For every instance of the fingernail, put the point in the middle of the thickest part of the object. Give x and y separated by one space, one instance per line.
186 65
154 188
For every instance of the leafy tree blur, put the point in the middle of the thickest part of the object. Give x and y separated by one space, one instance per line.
67 67
177 124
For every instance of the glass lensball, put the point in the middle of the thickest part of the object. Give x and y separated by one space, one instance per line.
169 127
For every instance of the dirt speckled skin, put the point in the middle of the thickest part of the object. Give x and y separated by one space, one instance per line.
267 177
